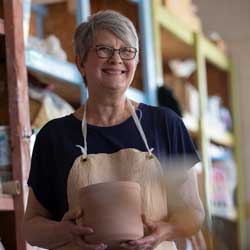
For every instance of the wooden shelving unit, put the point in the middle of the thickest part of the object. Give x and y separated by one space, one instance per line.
174 39
69 85
13 59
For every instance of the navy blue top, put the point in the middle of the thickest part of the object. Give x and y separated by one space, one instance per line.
55 149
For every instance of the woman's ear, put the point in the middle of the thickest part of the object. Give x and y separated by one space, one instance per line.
81 69
79 64
137 61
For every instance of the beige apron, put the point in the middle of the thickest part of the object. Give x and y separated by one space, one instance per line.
125 165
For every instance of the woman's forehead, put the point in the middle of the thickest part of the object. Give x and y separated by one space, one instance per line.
105 37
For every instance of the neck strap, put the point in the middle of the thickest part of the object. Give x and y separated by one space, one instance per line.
135 118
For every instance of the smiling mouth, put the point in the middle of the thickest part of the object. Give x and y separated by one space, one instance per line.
113 72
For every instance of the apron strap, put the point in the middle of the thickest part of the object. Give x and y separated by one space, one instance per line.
84 133
137 123
139 127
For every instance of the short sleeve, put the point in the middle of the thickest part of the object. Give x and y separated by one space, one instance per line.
39 178
182 153
183 150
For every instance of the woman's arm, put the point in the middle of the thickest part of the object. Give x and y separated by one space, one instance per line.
40 230
186 212
186 215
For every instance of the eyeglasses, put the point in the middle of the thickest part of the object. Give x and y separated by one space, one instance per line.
125 53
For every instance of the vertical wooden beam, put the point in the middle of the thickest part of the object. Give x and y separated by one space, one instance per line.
18 106
241 210
82 10
157 42
204 138
148 57
26 10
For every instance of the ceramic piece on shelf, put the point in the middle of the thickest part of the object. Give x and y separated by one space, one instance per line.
113 210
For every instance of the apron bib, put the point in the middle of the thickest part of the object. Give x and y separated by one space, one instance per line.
125 165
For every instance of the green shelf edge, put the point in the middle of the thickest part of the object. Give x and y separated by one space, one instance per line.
174 25
214 54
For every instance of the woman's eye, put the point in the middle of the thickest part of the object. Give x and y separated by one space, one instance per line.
127 50
105 50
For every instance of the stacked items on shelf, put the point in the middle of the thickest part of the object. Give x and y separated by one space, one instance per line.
47 58
45 105
203 112
219 121
218 117
51 46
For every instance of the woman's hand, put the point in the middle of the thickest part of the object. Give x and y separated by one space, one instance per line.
157 232
76 232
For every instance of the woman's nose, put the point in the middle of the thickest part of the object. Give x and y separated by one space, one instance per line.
115 57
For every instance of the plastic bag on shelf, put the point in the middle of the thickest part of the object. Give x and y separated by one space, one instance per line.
51 45
46 105
182 68
219 117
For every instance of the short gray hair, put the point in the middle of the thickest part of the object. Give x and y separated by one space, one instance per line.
109 20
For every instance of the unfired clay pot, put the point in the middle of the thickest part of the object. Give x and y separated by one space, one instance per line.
113 211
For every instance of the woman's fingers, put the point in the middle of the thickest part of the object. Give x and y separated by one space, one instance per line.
81 231
148 240
129 246
147 222
84 245
72 214
78 232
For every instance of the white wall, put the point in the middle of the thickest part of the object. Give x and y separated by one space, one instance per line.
232 20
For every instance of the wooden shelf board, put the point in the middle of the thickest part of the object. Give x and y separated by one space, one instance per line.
225 139
214 54
52 67
6 202
69 92
171 23
2 27
49 70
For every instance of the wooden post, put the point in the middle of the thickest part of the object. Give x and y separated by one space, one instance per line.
18 107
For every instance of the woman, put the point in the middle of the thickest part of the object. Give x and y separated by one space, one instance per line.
107 49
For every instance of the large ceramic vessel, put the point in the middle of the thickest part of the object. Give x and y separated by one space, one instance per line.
113 210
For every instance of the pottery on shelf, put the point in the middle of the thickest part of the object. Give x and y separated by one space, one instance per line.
113 211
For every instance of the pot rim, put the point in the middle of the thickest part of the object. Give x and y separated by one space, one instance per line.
114 184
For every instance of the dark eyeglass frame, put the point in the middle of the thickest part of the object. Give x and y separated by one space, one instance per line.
114 50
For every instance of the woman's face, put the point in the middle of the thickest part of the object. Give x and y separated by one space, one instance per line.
108 74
